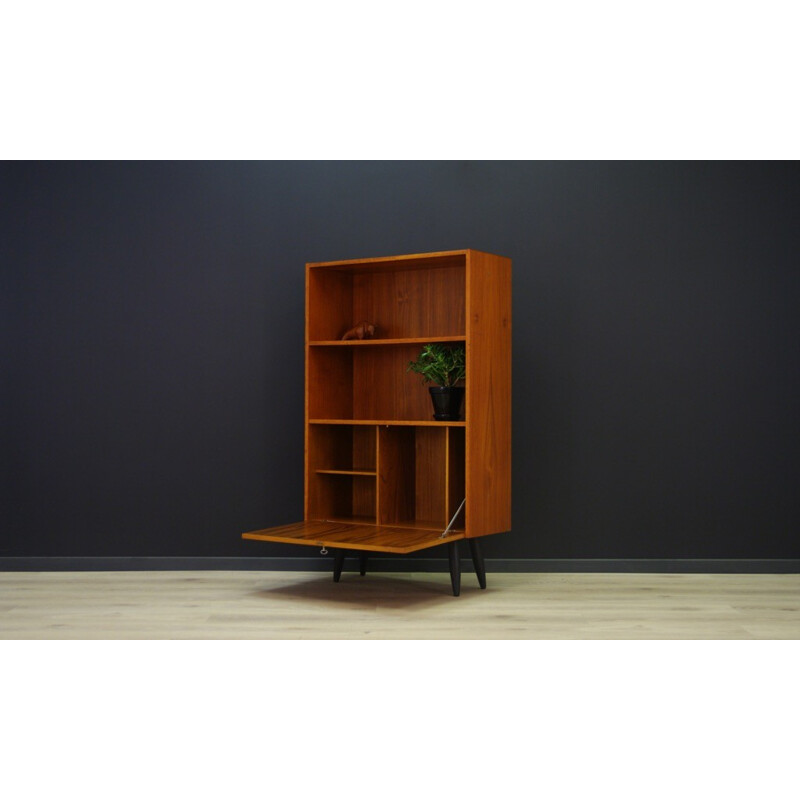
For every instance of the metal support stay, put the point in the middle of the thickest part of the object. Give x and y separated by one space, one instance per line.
453 519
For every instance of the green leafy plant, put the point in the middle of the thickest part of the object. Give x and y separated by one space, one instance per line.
440 364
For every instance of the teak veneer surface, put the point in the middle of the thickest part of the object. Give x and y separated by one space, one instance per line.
389 422
378 341
488 394
439 259
354 536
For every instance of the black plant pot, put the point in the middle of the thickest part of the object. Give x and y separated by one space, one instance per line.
447 402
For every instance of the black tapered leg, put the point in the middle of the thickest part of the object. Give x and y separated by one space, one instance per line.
338 563
455 568
362 563
477 561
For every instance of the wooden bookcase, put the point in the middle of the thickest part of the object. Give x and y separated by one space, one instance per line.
381 475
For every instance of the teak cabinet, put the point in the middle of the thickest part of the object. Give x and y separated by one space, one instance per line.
381 475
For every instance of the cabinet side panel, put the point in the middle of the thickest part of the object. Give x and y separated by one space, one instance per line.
329 309
488 395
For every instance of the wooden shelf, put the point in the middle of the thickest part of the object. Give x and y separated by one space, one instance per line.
345 472
352 519
373 342
421 525
425 261
354 536
414 422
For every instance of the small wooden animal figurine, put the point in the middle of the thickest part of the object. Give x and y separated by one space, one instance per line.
364 330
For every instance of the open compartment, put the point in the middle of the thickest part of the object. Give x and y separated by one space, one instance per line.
342 473
404 299
367 383
412 477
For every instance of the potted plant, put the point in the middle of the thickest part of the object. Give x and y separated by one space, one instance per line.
444 366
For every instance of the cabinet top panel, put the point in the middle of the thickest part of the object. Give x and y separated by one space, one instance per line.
444 258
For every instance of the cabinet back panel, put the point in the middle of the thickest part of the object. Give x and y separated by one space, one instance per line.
330 447
412 303
330 383
431 492
341 447
363 496
366 383
383 389
364 447
341 497
412 476
395 474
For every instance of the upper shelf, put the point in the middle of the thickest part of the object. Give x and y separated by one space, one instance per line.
404 340
414 422
417 299
445 258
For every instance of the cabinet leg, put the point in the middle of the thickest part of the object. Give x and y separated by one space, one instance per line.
455 568
362 563
338 563
477 561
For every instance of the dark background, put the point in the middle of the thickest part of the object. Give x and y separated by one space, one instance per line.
152 317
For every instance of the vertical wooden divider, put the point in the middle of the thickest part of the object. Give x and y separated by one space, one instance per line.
456 489
448 512
377 475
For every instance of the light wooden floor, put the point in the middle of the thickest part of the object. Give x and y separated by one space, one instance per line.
309 605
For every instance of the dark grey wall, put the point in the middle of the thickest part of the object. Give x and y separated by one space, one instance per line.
152 318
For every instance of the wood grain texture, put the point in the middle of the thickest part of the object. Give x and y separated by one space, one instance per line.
430 479
330 382
392 423
412 477
364 486
419 340
342 473
415 303
325 447
435 260
329 304
488 395
396 475
392 605
339 496
366 383
382 388
379 538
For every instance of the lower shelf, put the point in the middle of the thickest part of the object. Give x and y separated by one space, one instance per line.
349 536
